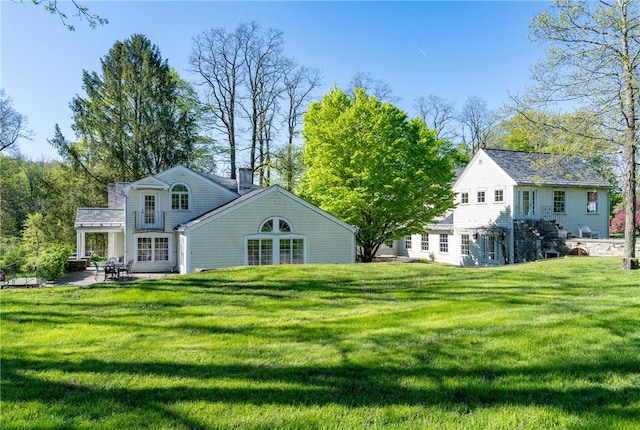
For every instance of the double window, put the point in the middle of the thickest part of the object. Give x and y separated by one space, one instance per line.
275 243
150 249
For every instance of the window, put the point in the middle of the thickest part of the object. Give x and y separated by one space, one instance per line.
464 244
444 243
407 242
259 252
592 202
180 197
481 197
424 241
291 251
275 243
559 201
498 196
144 249
491 247
464 198
153 249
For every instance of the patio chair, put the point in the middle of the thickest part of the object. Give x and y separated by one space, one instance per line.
127 268
98 270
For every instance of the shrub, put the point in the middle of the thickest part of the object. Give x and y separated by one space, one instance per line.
618 220
51 262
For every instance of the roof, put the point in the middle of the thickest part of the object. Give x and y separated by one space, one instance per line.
255 194
99 217
529 168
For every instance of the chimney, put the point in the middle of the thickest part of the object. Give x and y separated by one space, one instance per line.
244 177
116 195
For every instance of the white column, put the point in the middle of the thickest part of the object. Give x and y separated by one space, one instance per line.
80 238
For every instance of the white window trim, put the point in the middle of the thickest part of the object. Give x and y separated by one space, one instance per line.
153 248
597 211
553 200
276 245
189 194
467 193
494 196
481 190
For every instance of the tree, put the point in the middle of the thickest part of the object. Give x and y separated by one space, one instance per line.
476 121
216 58
438 114
594 59
82 12
299 83
136 119
376 87
371 166
12 123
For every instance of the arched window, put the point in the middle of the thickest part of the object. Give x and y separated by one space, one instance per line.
275 243
180 197
269 226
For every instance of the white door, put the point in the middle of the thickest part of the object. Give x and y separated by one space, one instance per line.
527 200
149 211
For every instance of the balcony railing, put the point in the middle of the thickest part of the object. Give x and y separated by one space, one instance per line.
147 220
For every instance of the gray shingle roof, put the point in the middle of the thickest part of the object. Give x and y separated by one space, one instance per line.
99 217
528 168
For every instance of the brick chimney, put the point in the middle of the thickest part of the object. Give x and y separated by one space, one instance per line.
116 195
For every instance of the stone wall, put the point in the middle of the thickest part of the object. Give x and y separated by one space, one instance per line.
598 247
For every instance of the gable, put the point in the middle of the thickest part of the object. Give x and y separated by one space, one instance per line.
482 170
255 199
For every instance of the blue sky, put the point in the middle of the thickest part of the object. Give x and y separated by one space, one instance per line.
450 49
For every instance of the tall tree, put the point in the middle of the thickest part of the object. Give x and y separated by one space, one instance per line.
12 124
438 114
299 84
476 120
134 120
593 58
371 166
216 58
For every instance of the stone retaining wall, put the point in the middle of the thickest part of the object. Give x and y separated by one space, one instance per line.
599 247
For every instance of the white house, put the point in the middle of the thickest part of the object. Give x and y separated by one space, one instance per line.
183 220
515 206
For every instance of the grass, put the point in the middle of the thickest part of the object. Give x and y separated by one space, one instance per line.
553 344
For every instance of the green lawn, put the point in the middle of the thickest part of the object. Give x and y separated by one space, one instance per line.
546 345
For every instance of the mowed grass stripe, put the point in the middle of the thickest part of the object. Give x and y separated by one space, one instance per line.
554 344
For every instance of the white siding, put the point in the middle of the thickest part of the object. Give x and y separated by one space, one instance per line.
204 197
220 241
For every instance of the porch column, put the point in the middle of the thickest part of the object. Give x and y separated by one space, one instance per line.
80 244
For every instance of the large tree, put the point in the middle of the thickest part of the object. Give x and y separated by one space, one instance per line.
593 58
135 120
12 124
371 166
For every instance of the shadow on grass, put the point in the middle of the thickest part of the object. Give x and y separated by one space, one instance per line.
348 385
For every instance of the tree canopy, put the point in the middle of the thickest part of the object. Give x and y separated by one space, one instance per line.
373 167
593 59
137 119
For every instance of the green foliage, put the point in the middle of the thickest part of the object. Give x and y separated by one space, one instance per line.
11 252
547 345
139 117
371 166
51 261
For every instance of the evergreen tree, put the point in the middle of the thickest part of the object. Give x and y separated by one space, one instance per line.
136 119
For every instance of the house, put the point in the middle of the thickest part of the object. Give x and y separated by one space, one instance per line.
183 220
515 206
